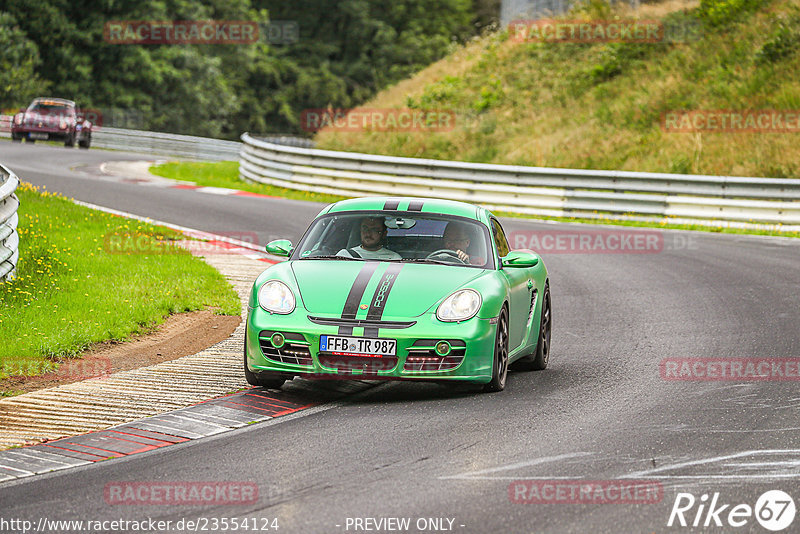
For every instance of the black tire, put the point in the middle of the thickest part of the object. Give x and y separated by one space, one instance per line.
541 356
263 379
500 360
29 140
85 143
16 138
70 141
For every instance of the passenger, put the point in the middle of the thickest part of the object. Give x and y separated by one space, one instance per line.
456 238
373 237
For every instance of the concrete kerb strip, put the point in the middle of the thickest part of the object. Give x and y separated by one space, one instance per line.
105 401
111 409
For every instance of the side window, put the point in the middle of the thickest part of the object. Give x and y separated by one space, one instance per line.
500 238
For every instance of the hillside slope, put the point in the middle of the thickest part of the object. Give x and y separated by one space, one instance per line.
600 105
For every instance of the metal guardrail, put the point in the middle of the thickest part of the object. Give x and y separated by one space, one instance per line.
165 144
529 190
9 239
5 125
154 143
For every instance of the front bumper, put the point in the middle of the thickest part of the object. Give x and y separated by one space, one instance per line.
470 360
40 134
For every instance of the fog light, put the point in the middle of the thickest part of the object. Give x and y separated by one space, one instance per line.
443 348
277 340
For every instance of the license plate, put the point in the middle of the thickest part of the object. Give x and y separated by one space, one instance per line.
37 135
358 346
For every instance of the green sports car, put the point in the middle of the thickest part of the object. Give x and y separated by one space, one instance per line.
399 289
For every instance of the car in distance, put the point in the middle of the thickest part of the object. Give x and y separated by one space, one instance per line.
377 289
52 119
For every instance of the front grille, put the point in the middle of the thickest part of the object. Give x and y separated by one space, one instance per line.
348 364
422 355
295 350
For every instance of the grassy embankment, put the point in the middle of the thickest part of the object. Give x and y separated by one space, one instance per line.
600 105
85 276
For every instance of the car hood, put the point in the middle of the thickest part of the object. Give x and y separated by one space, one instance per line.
325 285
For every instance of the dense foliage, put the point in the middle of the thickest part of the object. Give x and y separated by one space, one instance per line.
345 51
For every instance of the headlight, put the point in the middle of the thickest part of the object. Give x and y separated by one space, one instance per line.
459 306
62 124
276 297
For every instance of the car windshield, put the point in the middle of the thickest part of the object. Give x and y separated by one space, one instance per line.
401 236
51 108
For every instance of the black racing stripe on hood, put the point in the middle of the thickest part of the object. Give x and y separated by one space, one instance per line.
391 205
381 295
356 293
415 205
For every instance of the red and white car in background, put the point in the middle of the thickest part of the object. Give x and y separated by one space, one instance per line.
52 119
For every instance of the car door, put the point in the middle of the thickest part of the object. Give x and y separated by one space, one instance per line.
520 283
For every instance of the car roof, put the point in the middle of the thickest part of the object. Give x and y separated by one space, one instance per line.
53 100
424 205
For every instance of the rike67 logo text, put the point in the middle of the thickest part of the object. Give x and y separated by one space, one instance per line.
774 510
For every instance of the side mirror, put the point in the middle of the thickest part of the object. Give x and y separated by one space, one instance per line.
280 247
519 258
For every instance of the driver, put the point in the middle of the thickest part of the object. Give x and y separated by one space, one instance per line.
373 235
456 238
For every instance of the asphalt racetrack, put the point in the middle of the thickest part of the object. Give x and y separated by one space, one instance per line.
606 412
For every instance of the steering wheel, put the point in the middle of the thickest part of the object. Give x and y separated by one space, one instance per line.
450 254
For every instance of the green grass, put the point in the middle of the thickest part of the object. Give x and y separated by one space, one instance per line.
86 276
226 174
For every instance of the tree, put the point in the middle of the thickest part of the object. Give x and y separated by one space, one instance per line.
19 57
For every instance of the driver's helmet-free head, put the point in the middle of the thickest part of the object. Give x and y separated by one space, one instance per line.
456 236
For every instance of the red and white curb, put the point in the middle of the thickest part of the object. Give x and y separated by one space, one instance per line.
212 243
221 191
208 418
137 172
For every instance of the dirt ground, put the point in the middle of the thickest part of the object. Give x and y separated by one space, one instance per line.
180 335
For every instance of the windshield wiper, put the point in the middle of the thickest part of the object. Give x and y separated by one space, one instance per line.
429 260
331 257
